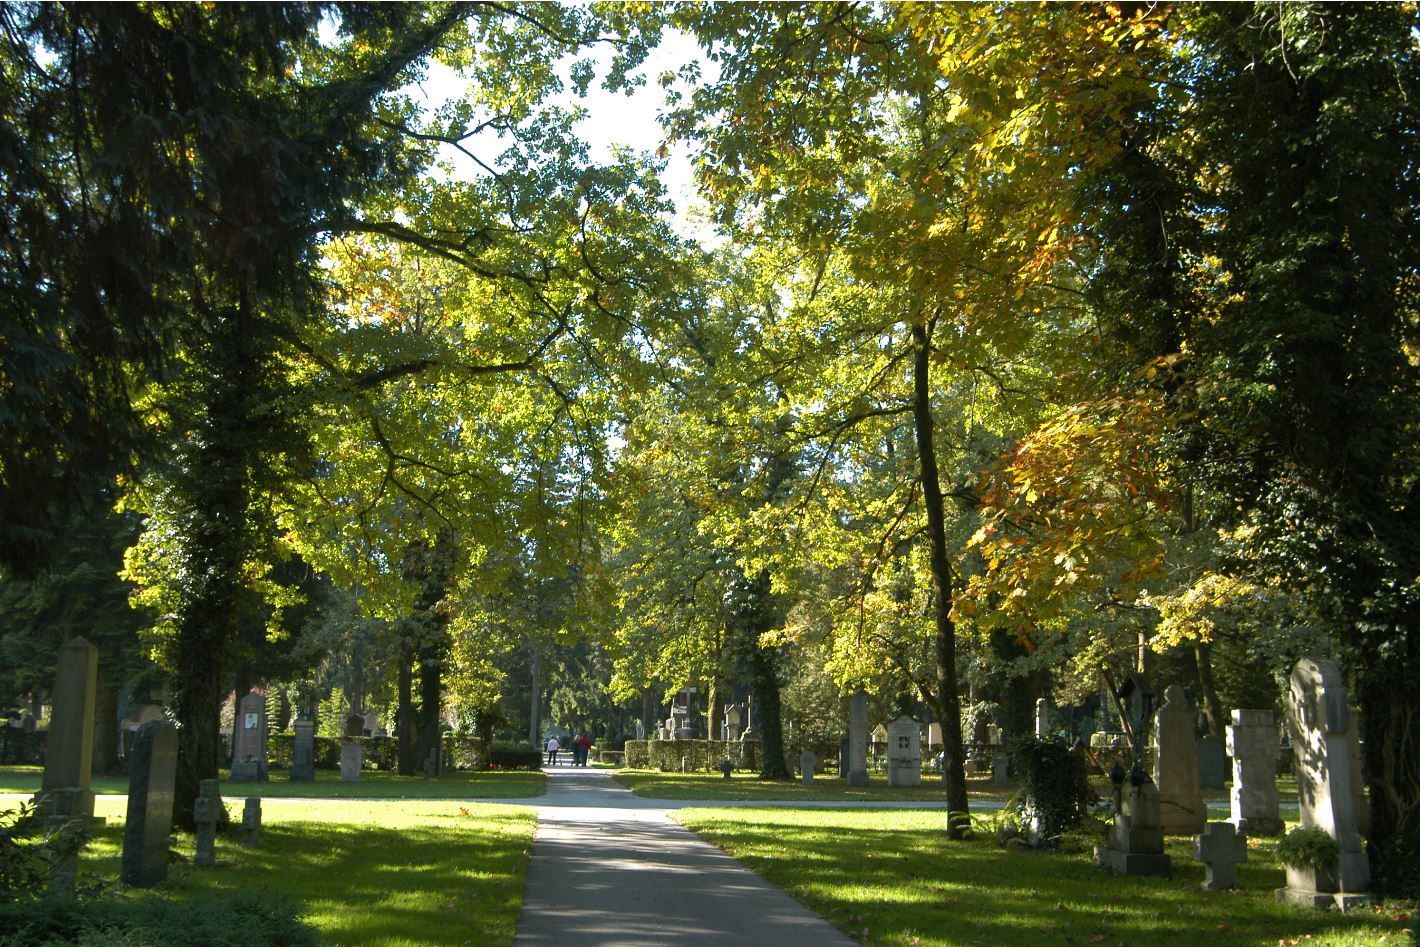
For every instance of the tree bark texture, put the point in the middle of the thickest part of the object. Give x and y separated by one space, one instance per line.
949 702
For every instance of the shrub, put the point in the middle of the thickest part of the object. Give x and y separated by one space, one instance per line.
514 756
705 755
240 919
1308 847
1056 793
27 846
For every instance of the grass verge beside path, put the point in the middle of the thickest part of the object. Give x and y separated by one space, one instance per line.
654 784
503 784
891 878
370 872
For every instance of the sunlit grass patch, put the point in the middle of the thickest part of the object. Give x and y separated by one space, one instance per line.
891 877
366 872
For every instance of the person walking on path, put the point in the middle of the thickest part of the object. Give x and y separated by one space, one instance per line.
584 747
552 748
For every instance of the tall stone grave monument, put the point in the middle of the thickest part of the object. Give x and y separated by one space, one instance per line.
249 763
152 768
303 751
65 795
1181 809
1252 741
1042 719
858 740
904 752
1321 728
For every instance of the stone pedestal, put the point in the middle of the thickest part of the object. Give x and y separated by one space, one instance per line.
1136 840
152 769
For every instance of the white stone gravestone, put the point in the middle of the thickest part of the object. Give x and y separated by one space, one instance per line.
1320 724
1181 809
1253 745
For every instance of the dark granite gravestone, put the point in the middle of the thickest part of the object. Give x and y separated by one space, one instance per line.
858 740
1212 764
152 767
303 751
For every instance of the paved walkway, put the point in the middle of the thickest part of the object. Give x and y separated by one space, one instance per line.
609 867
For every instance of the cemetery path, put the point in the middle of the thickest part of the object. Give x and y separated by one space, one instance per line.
609 867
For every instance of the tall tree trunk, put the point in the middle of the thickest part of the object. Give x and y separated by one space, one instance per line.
714 713
1392 767
407 748
535 705
105 757
949 702
649 723
431 698
1212 707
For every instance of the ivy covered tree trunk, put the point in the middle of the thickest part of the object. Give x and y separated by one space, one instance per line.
431 698
754 612
948 701
407 746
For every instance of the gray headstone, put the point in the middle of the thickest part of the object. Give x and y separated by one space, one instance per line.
303 751
1220 848
352 758
842 757
251 822
69 747
1181 809
1319 720
1253 744
249 764
807 761
858 740
1212 763
152 768
904 752
206 811
1136 839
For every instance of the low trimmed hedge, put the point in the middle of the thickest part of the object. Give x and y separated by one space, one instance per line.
382 753
705 755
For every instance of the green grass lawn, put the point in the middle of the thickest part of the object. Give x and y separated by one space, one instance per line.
889 877
504 784
369 873
745 786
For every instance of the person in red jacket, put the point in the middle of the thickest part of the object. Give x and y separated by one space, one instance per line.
584 746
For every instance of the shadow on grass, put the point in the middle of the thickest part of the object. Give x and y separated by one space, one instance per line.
893 878
430 879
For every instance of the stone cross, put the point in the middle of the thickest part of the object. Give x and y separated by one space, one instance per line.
1252 742
1042 719
1220 848
807 761
1181 809
152 769
249 740
858 740
205 811
904 739
1319 720
251 822
303 751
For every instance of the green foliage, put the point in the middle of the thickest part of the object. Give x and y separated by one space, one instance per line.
28 845
514 756
704 756
248 917
1056 790
1308 847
